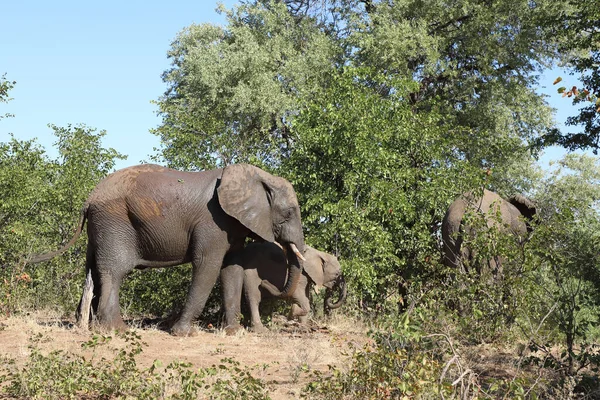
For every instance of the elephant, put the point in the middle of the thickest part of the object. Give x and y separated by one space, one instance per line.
515 215
150 216
262 266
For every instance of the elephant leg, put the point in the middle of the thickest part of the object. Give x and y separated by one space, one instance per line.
111 267
112 254
300 311
109 313
253 299
206 269
232 279
452 251
301 302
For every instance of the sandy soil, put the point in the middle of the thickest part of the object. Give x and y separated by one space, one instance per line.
285 349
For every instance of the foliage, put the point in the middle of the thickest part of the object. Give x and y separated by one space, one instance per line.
161 292
394 366
156 291
474 62
404 361
580 45
41 199
373 180
565 249
22 174
379 113
231 91
5 87
60 375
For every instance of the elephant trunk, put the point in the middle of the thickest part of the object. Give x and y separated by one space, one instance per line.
295 265
341 283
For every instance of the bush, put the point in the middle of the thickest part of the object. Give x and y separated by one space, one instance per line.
61 375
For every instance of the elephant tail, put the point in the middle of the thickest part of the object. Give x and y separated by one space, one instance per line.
48 256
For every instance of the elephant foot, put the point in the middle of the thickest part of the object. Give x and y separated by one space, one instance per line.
231 330
167 323
104 326
258 329
183 330
296 326
297 313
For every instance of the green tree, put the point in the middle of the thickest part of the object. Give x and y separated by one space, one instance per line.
366 107
373 180
581 47
41 199
24 173
474 62
232 91
5 87
565 253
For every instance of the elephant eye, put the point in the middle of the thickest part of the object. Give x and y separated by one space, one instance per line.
286 215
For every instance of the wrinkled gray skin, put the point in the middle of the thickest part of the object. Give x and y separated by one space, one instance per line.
265 261
148 216
515 214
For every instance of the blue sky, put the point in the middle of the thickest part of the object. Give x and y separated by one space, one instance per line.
97 63
100 63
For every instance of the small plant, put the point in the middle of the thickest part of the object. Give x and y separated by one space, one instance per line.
300 363
59 375
395 366
62 375
231 381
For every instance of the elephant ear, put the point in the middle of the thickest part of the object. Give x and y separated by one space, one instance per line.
314 266
244 195
525 206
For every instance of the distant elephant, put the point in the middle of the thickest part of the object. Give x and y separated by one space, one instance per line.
515 216
149 216
260 266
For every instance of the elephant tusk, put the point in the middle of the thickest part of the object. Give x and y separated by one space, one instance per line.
297 252
278 245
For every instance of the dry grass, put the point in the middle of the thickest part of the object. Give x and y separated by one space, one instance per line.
287 354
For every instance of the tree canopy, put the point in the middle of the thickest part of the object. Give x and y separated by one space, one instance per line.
580 46
380 113
234 91
5 87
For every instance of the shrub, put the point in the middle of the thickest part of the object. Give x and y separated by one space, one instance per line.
63 375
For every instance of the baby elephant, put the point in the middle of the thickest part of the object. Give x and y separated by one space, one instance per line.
264 266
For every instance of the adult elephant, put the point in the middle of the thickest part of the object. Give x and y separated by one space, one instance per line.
510 216
261 268
149 216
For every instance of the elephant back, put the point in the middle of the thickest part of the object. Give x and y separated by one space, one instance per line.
120 183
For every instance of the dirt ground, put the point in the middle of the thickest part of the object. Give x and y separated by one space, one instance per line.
286 349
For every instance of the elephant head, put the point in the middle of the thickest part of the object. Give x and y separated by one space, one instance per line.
526 207
266 205
324 270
